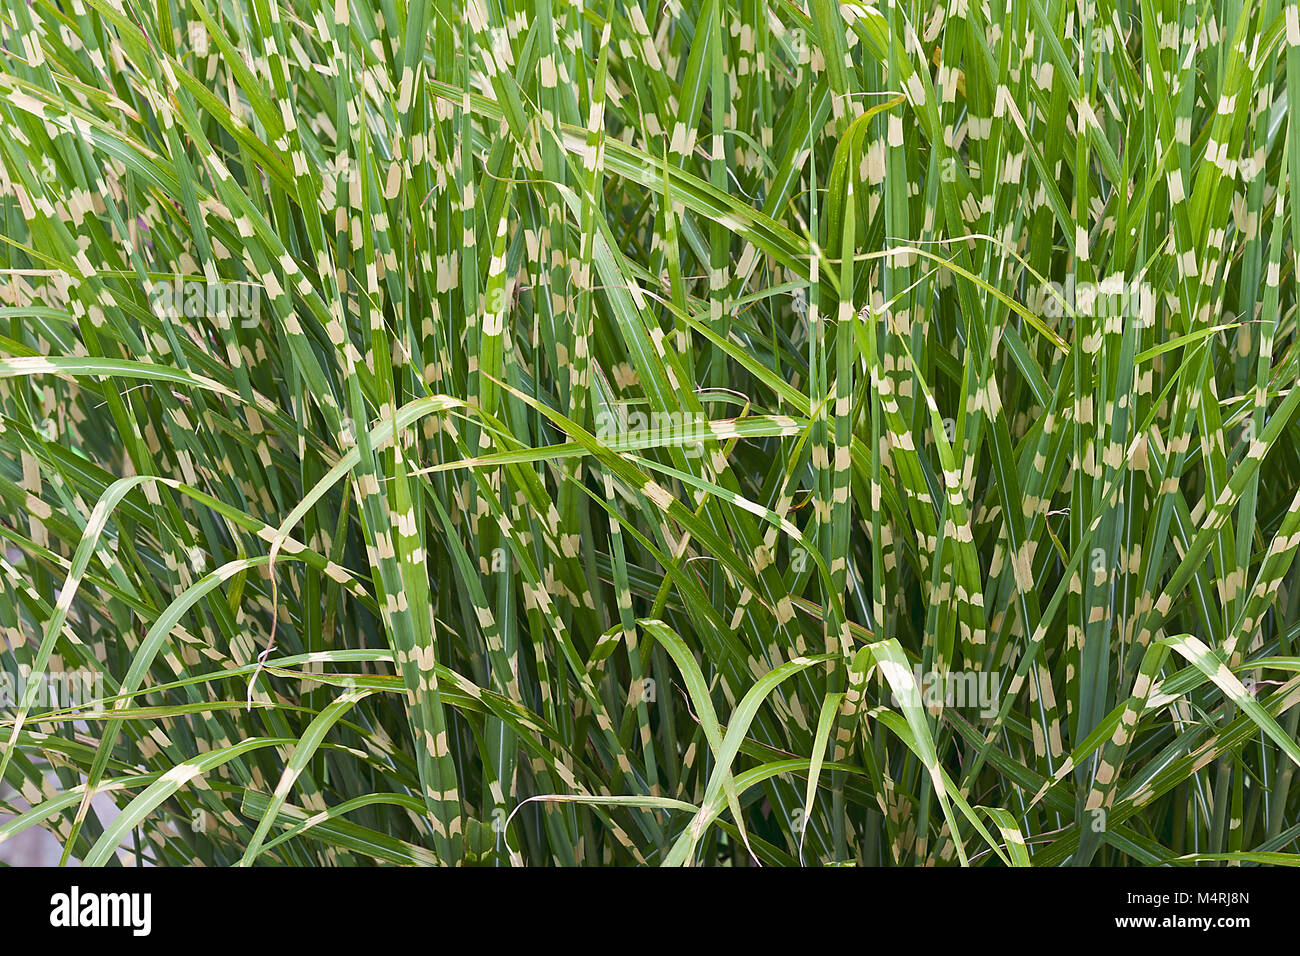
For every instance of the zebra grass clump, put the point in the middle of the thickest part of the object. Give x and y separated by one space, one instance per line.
553 434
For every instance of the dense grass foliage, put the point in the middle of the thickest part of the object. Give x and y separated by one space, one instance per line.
712 432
